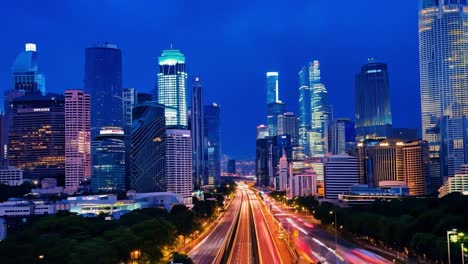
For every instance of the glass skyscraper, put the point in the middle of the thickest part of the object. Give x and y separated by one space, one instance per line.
108 159
25 72
171 88
321 113
103 81
372 102
304 110
148 149
272 92
443 49
212 123
274 106
198 134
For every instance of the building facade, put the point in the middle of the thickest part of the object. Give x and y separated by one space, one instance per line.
77 138
288 124
305 109
179 163
443 47
198 134
212 124
171 88
342 136
26 76
11 176
129 99
37 136
103 81
373 114
148 148
457 183
108 160
341 172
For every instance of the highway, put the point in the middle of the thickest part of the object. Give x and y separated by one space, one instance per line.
316 245
243 247
207 250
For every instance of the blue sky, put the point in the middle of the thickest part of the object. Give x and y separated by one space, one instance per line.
230 44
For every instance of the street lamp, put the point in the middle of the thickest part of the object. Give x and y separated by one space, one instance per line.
336 235
450 232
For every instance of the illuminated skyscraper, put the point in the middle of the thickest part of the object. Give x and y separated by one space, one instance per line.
108 160
212 124
272 89
274 106
77 138
103 81
198 134
262 131
179 163
171 88
129 99
25 72
372 102
305 109
37 136
288 125
443 49
148 148
342 136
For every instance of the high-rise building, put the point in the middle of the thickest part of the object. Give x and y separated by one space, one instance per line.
416 167
305 109
231 167
25 72
3 140
198 134
179 163
108 160
148 149
372 102
322 115
171 88
262 132
288 124
37 136
443 47
302 182
342 136
272 89
129 99
261 161
77 138
341 172
283 169
274 110
103 81
212 124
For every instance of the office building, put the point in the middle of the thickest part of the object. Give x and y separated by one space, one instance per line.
212 124
302 184
77 138
198 134
341 172
443 48
281 183
321 113
342 136
362 194
103 81
108 160
305 109
373 114
37 136
288 124
129 99
26 76
274 110
11 176
261 162
457 183
148 149
262 131
171 88
231 167
179 163
272 87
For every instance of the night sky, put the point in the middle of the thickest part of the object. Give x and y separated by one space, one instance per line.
230 44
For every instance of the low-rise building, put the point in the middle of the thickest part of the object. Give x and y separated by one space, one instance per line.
457 183
362 194
11 175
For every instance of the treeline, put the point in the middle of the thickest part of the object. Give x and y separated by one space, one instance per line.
416 225
148 235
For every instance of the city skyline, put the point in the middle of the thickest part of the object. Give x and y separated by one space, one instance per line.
234 45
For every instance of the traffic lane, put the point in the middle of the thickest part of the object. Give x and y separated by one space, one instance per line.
268 250
208 248
241 252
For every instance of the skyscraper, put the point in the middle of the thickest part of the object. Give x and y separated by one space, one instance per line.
341 172
179 163
262 131
321 113
231 167
288 125
272 89
103 81
305 109
171 88
274 106
372 102
25 72
129 99
148 148
212 124
108 160
77 138
443 48
37 136
342 136
198 134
